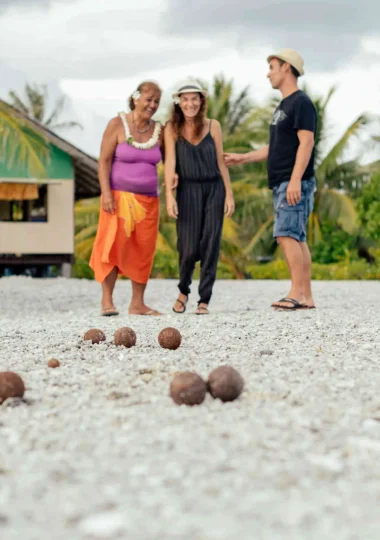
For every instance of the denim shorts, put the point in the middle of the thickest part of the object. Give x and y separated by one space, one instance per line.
289 220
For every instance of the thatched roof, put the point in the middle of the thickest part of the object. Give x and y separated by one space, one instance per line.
85 166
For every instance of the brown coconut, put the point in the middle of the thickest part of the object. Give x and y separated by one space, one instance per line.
11 385
125 337
225 383
53 363
94 335
169 338
188 388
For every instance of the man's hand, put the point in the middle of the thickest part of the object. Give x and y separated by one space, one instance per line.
171 206
229 205
293 193
108 203
233 159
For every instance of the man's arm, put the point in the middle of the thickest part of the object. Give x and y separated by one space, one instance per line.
306 139
250 157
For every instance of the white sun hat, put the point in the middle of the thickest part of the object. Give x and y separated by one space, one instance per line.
187 87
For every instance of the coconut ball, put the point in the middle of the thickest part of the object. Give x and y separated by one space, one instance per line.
188 388
11 385
169 338
225 383
53 363
125 336
94 335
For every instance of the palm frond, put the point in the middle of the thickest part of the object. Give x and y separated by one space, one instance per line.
258 236
83 249
331 160
339 208
21 143
86 233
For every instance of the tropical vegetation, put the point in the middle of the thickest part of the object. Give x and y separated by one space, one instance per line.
35 103
343 230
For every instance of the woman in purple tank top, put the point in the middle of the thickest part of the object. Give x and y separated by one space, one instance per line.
129 213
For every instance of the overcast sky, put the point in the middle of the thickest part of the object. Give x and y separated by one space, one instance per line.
97 51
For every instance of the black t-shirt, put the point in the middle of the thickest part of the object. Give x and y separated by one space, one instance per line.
295 112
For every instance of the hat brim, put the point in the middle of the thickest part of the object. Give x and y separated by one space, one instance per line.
190 91
301 71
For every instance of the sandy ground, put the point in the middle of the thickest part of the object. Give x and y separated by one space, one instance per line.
97 451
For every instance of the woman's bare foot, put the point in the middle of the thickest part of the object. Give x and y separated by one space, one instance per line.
142 310
202 309
180 303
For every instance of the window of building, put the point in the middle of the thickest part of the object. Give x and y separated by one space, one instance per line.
35 210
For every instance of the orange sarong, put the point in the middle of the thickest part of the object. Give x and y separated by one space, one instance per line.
127 238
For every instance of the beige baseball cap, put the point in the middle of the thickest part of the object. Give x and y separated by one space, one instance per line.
290 56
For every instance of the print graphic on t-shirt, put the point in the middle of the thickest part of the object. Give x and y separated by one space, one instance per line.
278 116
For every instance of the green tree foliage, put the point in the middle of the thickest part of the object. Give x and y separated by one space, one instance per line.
35 104
369 208
21 143
333 227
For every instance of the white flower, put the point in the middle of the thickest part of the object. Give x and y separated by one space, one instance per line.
136 95
177 100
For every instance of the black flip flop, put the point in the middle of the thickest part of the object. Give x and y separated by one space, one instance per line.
295 304
182 304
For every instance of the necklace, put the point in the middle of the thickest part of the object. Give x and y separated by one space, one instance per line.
138 131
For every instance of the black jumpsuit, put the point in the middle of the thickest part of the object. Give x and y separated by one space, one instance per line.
200 199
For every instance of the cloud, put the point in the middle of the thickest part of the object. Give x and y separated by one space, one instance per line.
327 32
12 4
87 40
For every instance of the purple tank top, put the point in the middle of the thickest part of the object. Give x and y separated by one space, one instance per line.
135 170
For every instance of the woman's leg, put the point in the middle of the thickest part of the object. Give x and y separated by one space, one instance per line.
210 243
108 286
137 305
189 230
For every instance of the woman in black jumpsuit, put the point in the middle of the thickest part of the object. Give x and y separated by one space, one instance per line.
194 151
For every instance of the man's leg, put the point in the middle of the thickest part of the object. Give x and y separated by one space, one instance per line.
306 288
294 257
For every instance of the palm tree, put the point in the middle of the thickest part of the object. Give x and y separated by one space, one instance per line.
35 105
20 142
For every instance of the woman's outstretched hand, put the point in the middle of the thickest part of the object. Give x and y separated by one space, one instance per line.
171 206
108 202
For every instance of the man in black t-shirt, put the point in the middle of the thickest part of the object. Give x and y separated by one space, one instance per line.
290 156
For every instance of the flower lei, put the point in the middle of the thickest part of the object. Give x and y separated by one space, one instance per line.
141 146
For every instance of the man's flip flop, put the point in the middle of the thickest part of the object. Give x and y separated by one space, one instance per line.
294 304
109 312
